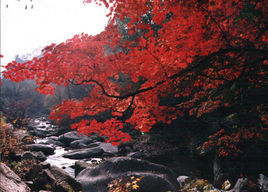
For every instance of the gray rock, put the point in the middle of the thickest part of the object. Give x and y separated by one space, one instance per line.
154 177
54 138
10 182
34 156
43 133
136 154
81 143
263 183
78 145
240 185
47 150
64 180
57 179
84 153
52 142
108 147
67 138
182 180
40 156
94 145
97 138
79 166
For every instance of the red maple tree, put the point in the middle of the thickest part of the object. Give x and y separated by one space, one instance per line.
211 53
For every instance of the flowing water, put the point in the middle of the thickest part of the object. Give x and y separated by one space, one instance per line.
57 159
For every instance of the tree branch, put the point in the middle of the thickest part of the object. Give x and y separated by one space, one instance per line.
204 62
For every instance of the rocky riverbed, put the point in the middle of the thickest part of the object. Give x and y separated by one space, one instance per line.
74 162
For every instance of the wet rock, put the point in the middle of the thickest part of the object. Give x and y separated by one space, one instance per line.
47 150
41 128
78 145
136 154
81 143
52 140
94 145
79 166
64 182
84 153
10 182
97 138
42 133
108 147
108 155
55 179
154 177
263 183
69 137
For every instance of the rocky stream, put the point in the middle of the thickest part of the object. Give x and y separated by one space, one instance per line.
73 162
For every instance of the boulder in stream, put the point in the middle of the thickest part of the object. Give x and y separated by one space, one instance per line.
136 154
52 140
84 153
55 179
81 143
67 138
64 182
154 177
47 150
79 166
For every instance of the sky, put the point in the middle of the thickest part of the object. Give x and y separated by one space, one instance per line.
26 30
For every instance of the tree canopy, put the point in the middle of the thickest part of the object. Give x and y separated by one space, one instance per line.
209 54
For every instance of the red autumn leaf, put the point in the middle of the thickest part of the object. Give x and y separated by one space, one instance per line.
196 50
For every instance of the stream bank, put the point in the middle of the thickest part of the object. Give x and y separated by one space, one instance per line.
73 162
